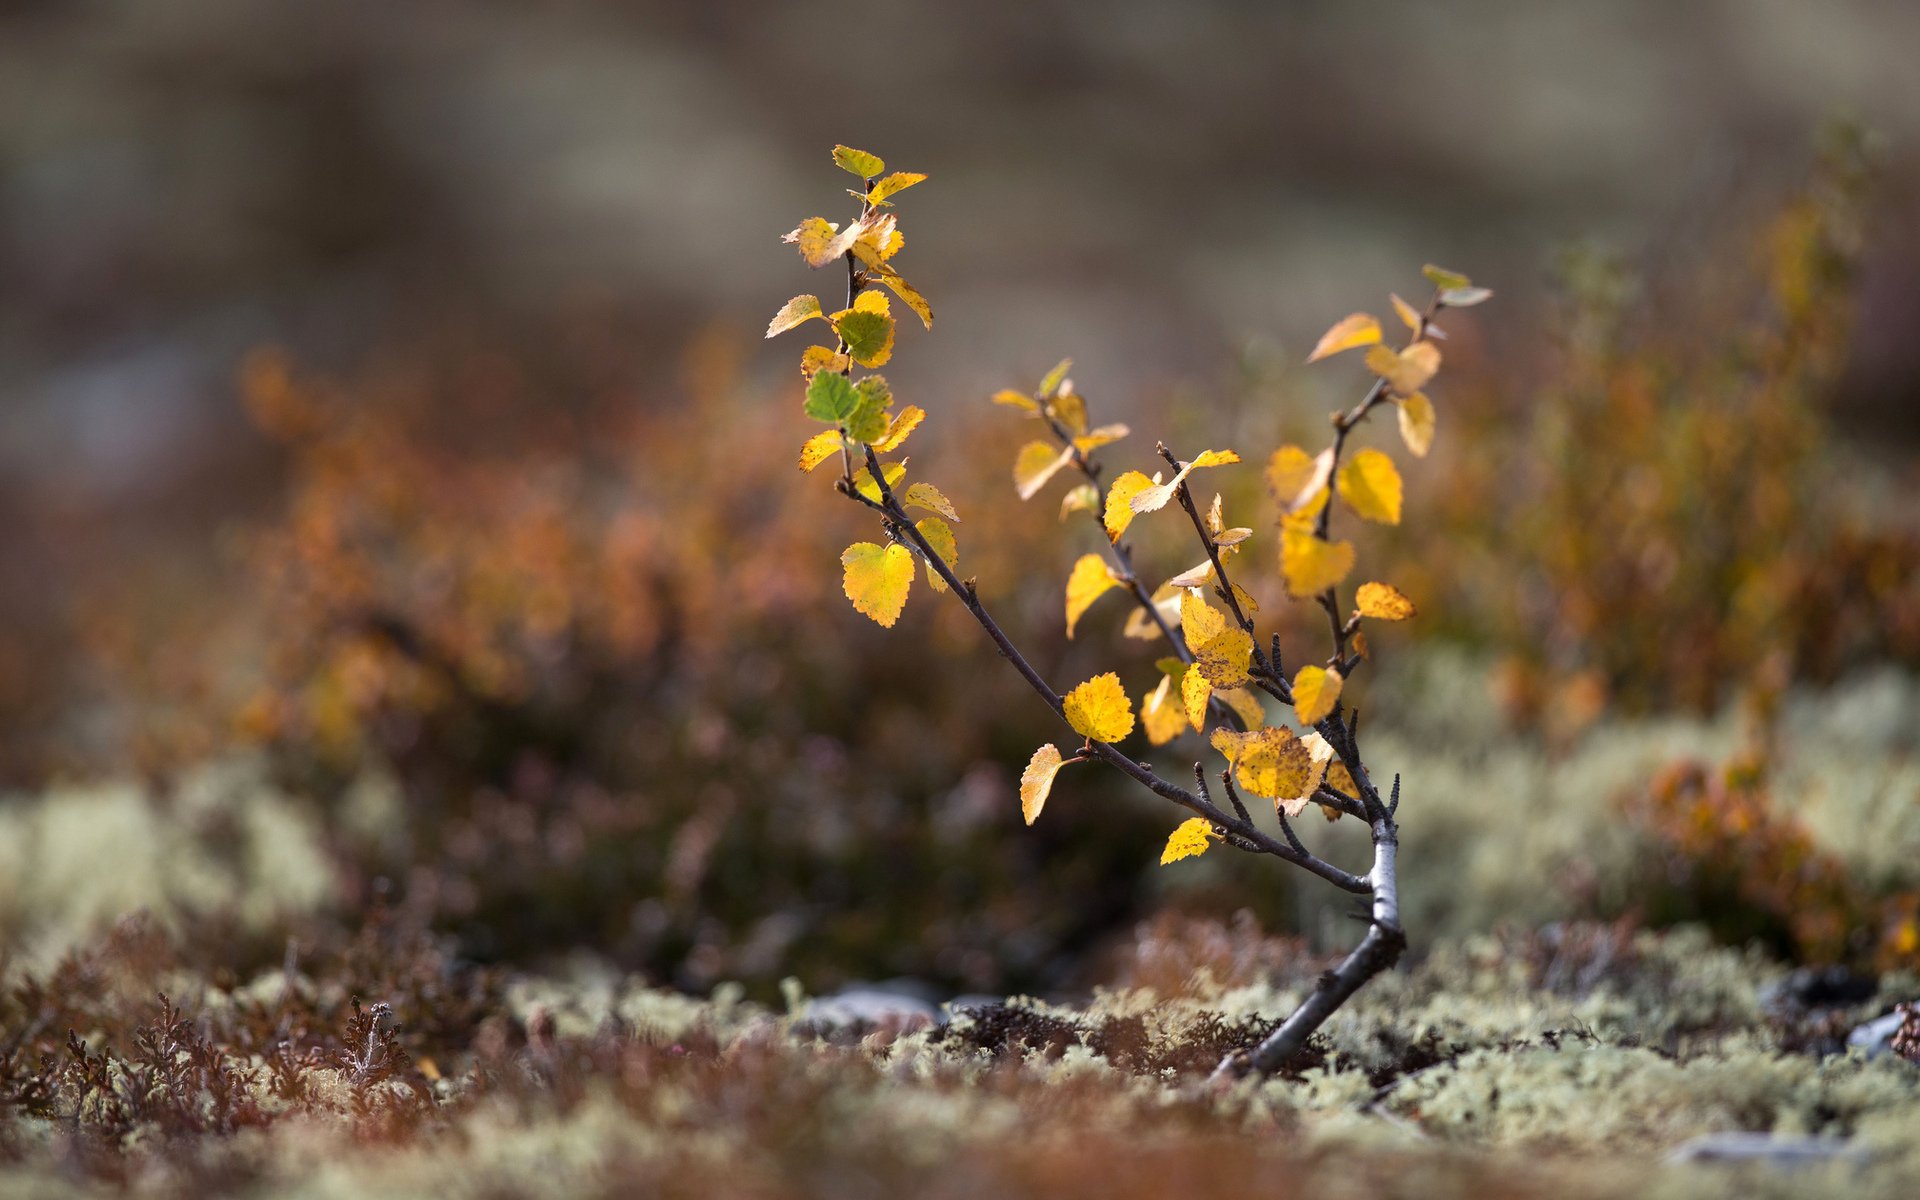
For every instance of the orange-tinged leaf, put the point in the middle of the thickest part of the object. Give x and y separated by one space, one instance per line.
1360 644
1223 658
867 333
1090 579
819 448
819 358
1195 691
1201 621
877 579
899 426
1189 840
1160 713
1383 602
821 241
892 185
1037 780
858 162
1417 422
1311 564
1406 371
1083 498
939 535
1120 497
1408 314
929 497
1315 691
1036 463
1099 709
1360 329
909 295
1370 485
796 311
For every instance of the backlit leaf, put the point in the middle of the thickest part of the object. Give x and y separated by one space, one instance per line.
1037 780
821 241
858 162
1106 435
1142 627
868 334
1120 496
819 358
1154 498
1070 409
1013 399
1417 423
1360 329
1406 371
1383 602
1311 565
1082 498
939 535
1161 715
869 420
1223 658
1090 579
909 295
1201 621
1036 463
1315 691
899 426
1194 576
1408 314
1187 841
1051 381
879 240
864 484
1296 477
830 397
892 185
1099 709
1248 604
1195 691
819 448
1442 278
1267 763
877 579
1370 485
796 311
1243 702
929 497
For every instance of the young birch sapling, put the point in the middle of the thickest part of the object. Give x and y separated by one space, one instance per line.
1217 673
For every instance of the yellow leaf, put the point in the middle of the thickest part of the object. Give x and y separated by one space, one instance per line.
1162 719
1408 314
1311 564
818 358
821 241
909 295
1315 691
1406 371
1246 704
1267 763
1120 496
796 311
899 426
1201 621
1360 644
929 497
1090 579
1195 691
873 302
868 334
1141 627
1036 463
939 535
819 448
1106 435
1213 458
1248 604
1370 484
1442 278
858 162
1417 423
1037 780
1013 399
1223 658
1083 498
1360 329
878 579
893 184
1154 498
1070 409
1051 382
880 239
863 482
1334 772
1383 602
1295 477
1226 539
1099 709
1194 576
1188 841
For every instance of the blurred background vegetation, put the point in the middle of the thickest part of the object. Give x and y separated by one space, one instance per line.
401 511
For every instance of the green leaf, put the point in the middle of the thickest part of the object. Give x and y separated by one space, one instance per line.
868 420
1050 382
868 335
831 398
1443 279
858 162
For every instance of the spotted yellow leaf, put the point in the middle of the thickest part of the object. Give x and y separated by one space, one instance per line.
1248 604
1370 485
794 312
877 579
1315 691
1360 329
1223 658
1417 422
1099 709
822 358
819 448
892 185
1090 579
1311 564
1036 463
1190 840
931 498
899 426
821 241
1267 763
909 295
939 535
880 239
1244 703
1201 621
1195 692
1120 495
1383 602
